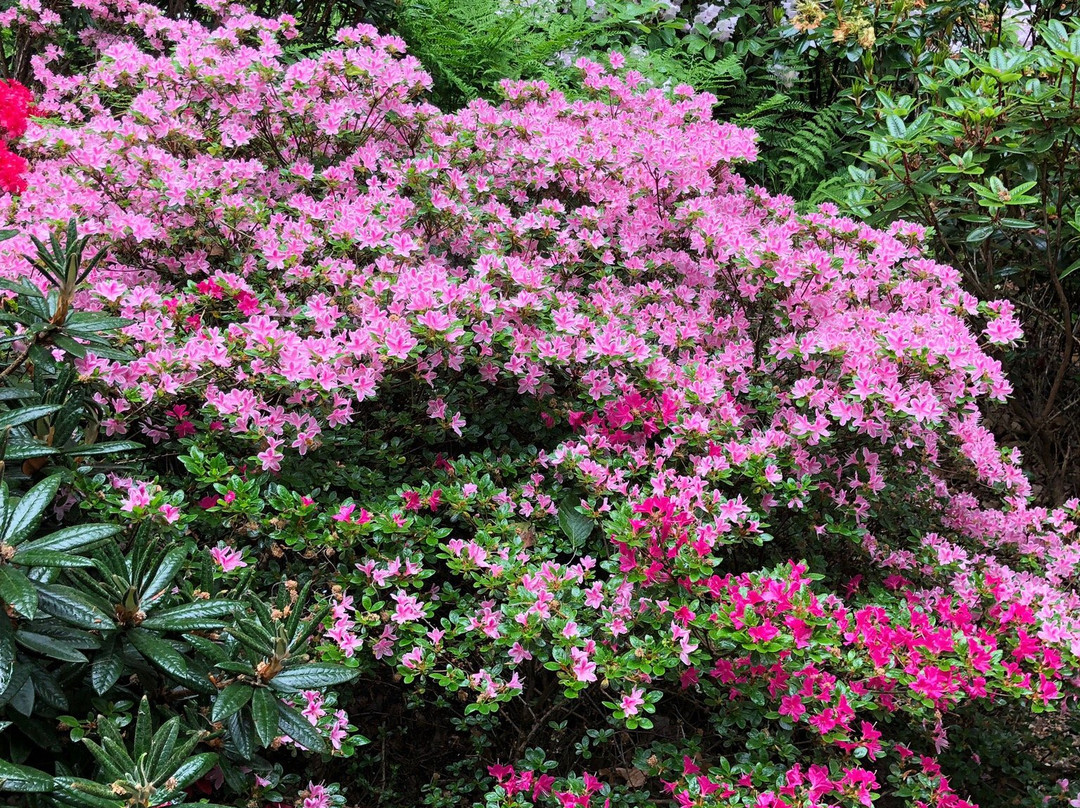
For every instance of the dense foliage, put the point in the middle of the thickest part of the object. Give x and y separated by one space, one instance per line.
524 454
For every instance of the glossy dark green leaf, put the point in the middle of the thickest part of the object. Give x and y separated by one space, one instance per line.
51 558
160 653
161 582
7 654
18 591
25 415
311 677
202 614
144 731
105 672
107 447
27 449
26 515
81 793
23 779
79 537
193 768
72 606
293 724
47 646
230 700
265 715
239 730
574 524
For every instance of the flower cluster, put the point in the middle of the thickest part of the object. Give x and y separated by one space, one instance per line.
14 109
567 410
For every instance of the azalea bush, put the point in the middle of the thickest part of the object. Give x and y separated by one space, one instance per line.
525 455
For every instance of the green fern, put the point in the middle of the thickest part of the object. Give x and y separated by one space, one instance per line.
468 46
806 155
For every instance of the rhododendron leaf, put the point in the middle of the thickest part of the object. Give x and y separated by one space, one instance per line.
7 655
23 779
574 524
80 793
49 647
239 731
264 713
107 447
213 651
51 558
113 768
200 615
18 592
74 607
262 647
236 667
192 769
311 677
231 699
105 671
78 537
293 724
26 449
164 574
92 322
116 354
25 415
24 518
70 345
161 654
18 393
307 629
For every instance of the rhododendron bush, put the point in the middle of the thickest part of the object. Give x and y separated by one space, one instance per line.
622 482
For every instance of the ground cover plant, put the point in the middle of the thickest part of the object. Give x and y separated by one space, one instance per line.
520 455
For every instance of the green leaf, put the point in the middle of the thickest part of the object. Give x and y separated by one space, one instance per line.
264 713
18 591
895 125
7 654
574 524
79 537
231 699
239 730
1069 270
164 746
23 779
50 558
27 514
107 447
160 653
193 768
89 322
144 731
160 583
208 648
293 724
105 671
49 647
980 234
82 793
201 615
72 606
311 677
27 449
25 415
70 345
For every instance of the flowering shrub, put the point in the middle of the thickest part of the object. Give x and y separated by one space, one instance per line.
14 107
632 484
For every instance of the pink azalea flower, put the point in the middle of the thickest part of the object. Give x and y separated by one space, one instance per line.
227 558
